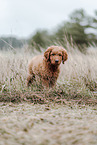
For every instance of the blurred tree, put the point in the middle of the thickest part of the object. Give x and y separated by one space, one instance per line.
72 31
39 40
78 16
88 23
79 29
77 32
14 42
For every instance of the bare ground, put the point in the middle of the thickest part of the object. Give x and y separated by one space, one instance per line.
36 124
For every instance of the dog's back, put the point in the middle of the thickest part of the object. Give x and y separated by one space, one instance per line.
35 64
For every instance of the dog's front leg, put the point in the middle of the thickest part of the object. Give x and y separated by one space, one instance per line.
30 79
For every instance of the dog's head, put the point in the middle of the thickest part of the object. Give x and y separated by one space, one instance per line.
56 54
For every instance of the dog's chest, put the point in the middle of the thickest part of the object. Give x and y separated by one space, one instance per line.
51 73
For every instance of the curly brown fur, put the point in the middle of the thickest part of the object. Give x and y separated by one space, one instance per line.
47 66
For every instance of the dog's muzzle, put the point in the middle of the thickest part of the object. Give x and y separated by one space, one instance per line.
56 61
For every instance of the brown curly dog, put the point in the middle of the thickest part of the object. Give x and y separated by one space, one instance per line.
46 66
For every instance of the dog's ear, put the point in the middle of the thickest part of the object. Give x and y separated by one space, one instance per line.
47 53
64 55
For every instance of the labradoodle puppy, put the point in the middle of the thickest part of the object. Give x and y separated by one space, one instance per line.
47 66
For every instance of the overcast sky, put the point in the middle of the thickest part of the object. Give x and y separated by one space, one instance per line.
22 18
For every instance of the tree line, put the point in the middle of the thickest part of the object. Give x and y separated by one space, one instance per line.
80 29
7 42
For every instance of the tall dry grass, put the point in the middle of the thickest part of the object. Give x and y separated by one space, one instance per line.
77 80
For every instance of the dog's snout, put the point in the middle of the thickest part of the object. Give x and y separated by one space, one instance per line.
56 60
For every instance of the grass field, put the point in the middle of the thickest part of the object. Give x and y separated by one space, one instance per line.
77 80
66 114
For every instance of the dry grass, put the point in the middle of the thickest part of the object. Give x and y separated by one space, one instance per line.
77 81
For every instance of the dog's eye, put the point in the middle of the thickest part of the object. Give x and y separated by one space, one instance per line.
53 54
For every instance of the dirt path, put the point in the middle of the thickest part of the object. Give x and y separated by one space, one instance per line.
29 124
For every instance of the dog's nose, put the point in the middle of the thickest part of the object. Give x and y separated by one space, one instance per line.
56 60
